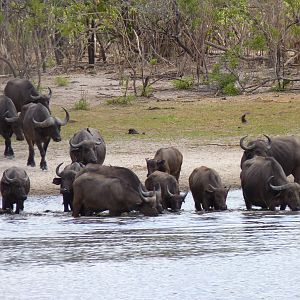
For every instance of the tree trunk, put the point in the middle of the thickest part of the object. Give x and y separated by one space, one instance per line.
91 42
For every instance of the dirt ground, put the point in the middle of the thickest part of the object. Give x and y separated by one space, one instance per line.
97 87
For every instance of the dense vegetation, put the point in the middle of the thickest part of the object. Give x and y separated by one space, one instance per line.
232 46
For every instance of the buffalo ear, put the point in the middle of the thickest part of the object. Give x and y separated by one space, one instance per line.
56 181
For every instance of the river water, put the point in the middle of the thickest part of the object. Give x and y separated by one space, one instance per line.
236 254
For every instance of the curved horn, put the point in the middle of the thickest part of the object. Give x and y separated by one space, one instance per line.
50 92
66 120
278 187
143 194
169 193
35 97
12 119
7 179
76 146
57 170
46 123
147 193
269 141
243 146
211 188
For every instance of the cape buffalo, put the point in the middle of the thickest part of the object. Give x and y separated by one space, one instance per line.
22 91
286 150
265 184
39 127
109 193
125 174
207 189
171 197
15 186
9 124
167 160
65 179
87 146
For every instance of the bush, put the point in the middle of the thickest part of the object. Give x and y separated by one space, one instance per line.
225 81
122 100
82 104
61 81
183 83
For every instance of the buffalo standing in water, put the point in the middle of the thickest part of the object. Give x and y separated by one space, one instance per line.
96 193
264 184
22 92
171 197
15 186
207 189
65 179
286 150
9 123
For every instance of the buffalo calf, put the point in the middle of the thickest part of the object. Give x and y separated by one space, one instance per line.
207 189
15 186
167 160
170 196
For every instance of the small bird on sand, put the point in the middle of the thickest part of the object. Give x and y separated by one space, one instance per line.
243 117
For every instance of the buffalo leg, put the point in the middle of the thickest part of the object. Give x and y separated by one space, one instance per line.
8 152
282 206
30 161
43 163
248 205
198 206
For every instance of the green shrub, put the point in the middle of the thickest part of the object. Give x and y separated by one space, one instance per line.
183 83
122 100
82 104
61 81
225 81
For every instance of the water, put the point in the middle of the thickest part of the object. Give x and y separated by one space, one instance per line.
234 254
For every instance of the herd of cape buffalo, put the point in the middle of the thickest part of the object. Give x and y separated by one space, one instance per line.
90 187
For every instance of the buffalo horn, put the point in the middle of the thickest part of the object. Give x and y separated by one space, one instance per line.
169 193
66 120
243 146
144 195
278 187
57 170
50 92
76 146
12 119
35 97
211 188
46 123
269 141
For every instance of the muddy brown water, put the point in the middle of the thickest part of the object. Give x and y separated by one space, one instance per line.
46 254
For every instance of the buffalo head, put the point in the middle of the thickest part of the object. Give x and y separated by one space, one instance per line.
43 99
53 124
66 177
155 165
218 196
288 192
151 202
85 151
255 148
176 200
